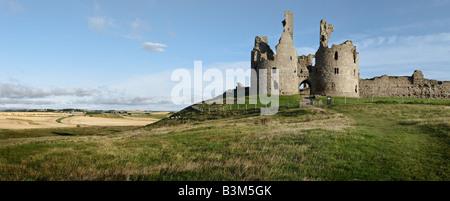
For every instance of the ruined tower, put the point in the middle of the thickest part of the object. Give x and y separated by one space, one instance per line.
287 58
336 71
285 61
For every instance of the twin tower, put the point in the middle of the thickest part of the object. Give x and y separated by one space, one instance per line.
335 72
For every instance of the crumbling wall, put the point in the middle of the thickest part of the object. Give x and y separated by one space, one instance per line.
415 86
336 72
302 66
287 58
325 32
284 62
262 57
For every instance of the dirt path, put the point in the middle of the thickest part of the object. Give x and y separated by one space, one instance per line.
306 102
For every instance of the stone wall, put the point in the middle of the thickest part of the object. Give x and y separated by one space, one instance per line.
415 86
261 57
302 67
285 61
336 72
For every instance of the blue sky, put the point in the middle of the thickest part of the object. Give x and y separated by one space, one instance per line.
120 54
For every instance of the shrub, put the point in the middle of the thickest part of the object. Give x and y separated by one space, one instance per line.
265 120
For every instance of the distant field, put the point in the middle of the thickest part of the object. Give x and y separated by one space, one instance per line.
358 141
36 120
27 120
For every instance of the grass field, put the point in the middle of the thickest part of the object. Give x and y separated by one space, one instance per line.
343 100
358 141
155 115
79 131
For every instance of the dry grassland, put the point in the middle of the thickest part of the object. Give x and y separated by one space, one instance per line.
34 120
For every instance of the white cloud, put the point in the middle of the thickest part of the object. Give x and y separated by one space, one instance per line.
24 97
153 47
19 91
401 54
100 24
128 101
160 85
404 49
24 102
141 92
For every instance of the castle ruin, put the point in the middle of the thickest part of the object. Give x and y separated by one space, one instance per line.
335 72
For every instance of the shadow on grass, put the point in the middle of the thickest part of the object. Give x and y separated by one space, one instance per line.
63 134
441 131
407 123
293 113
115 131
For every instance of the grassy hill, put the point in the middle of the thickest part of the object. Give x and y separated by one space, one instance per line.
358 141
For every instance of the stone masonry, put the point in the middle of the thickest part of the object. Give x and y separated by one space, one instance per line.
335 73
415 86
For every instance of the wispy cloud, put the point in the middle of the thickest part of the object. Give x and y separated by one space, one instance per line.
419 6
97 8
400 55
24 102
20 91
128 101
12 6
141 92
404 49
172 34
21 97
100 24
138 28
153 47
419 25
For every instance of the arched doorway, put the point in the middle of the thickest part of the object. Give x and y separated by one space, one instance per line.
304 88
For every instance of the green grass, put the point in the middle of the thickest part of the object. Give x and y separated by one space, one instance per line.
290 101
60 119
156 116
361 141
394 100
391 142
79 131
